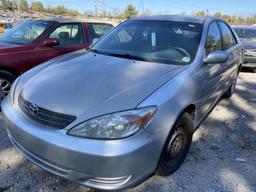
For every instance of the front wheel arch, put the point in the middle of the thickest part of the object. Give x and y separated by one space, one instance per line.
189 109
158 170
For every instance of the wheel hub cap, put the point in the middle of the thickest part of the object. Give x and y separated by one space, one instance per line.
176 143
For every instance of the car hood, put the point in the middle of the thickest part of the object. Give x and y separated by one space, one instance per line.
94 84
9 48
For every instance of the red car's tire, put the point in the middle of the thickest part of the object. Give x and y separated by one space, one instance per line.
6 80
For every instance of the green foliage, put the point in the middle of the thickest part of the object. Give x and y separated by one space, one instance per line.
73 12
61 10
200 13
37 6
130 12
217 14
232 19
23 5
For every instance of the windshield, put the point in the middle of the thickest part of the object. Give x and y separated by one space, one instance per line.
25 32
154 41
246 33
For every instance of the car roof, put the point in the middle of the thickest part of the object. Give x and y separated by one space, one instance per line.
59 20
69 20
177 18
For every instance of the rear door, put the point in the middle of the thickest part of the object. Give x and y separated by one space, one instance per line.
71 37
97 30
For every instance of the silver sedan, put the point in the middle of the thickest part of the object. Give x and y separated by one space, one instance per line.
112 116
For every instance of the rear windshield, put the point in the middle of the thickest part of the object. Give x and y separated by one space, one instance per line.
246 33
154 41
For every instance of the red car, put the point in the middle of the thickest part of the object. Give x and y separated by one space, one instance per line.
33 42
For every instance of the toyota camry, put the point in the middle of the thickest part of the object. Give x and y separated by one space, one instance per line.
114 115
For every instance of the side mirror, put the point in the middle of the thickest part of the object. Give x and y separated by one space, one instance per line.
216 57
51 42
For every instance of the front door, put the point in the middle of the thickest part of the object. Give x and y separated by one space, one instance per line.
71 38
214 74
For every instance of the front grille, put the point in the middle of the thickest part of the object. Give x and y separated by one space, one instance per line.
44 116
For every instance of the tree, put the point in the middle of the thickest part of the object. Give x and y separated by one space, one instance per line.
200 13
37 6
73 12
23 5
61 10
227 18
217 14
130 12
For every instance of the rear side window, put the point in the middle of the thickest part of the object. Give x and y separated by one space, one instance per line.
97 30
213 42
227 36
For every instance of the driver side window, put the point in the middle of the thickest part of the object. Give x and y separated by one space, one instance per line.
213 42
68 34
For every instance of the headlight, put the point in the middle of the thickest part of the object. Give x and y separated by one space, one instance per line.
114 126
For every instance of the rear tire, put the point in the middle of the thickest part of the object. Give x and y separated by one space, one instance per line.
177 146
6 80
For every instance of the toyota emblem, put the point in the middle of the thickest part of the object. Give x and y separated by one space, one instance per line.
33 109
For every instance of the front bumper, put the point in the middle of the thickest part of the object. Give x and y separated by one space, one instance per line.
107 165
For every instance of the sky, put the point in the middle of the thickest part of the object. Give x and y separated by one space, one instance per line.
239 7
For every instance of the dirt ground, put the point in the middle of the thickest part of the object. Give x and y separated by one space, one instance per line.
222 157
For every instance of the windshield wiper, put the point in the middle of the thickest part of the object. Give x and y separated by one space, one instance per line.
95 51
125 55
128 56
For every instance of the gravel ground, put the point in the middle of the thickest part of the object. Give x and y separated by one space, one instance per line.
222 156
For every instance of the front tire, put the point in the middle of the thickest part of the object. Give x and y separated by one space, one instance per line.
177 146
6 80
